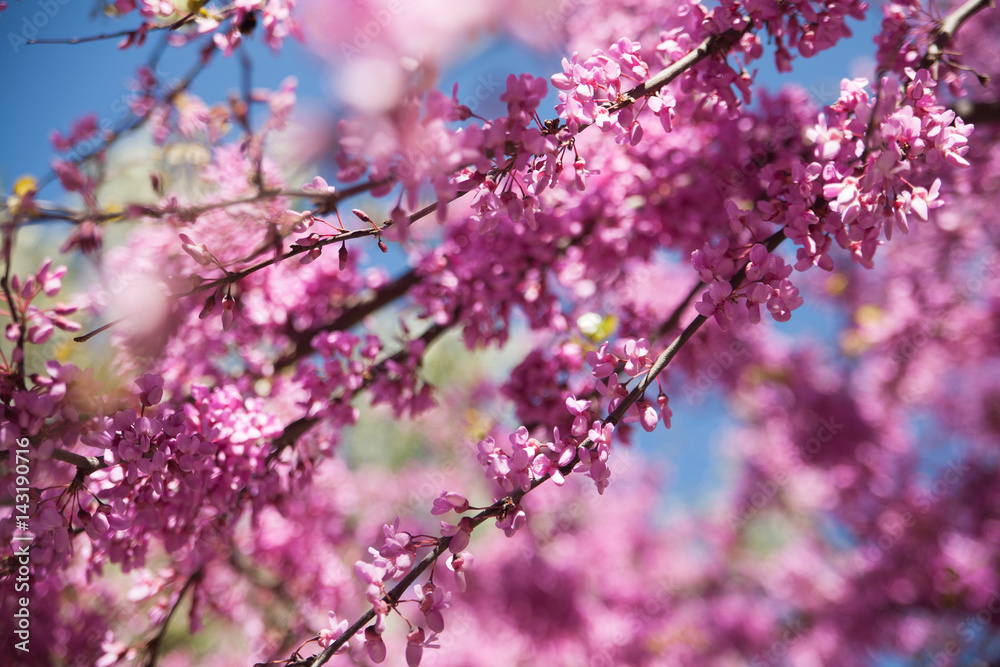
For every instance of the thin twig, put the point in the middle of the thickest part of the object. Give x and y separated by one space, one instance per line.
944 33
150 27
349 317
87 336
8 246
95 38
155 642
300 426
138 121
662 361
709 46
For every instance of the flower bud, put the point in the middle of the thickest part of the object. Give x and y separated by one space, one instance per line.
207 309
228 306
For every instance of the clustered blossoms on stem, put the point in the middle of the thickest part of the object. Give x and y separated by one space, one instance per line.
588 88
393 561
868 155
517 466
36 325
221 462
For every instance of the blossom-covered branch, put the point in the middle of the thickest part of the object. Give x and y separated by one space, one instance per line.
231 420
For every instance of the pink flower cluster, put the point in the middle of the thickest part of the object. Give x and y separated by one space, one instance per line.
869 180
182 466
537 400
630 357
591 86
392 561
38 324
415 148
345 361
809 27
522 463
767 283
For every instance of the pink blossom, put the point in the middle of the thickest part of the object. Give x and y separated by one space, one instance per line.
198 251
70 176
336 629
458 564
432 602
151 389
416 642
512 521
448 501
460 534
318 186
602 361
398 549
374 647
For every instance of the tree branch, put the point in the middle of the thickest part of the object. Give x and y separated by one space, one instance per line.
84 464
978 112
155 643
8 247
139 121
351 315
300 426
709 46
662 361
943 34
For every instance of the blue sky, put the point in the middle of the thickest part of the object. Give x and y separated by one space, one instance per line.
47 86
